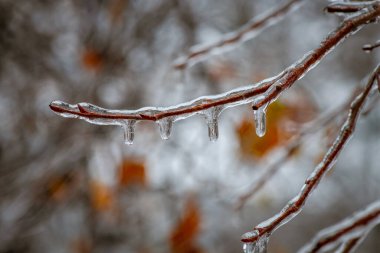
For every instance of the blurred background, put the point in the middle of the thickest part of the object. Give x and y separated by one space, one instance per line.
68 186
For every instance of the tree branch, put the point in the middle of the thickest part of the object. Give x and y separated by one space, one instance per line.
349 232
248 31
370 47
260 94
295 205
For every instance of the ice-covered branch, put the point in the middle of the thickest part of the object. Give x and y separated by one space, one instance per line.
250 30
370 47
347 7
347 233
260 94
258 237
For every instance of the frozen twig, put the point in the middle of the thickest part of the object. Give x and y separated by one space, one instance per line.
347 233
294 206
370 47
347 7
244 33
259 94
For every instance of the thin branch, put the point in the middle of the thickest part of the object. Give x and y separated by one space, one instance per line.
348 232
243 95
248 31
295 205
370 47
347 7
350 245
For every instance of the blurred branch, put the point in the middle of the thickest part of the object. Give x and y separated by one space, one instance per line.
370 47
268 89
295 205
348 232
246 32
347 7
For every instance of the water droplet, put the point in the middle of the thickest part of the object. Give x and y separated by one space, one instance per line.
165 125
129 131
260 120
212 122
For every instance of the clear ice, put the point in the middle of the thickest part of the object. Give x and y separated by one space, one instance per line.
259 116
165 125
129 131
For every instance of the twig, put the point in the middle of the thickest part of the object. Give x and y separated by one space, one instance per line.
244 33
295 205
243 95
370 47
348 232
350 245
346 7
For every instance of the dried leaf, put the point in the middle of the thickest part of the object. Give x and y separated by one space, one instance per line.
58 187
252 146
132 172
102 196
183 235
92 60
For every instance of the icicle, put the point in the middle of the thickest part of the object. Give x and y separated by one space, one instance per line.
212 122
260 120
165 125
249 247
260 246
129 131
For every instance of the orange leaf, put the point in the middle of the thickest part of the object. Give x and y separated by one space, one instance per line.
92 60
59 186
253 146
132 172
102 196
183 235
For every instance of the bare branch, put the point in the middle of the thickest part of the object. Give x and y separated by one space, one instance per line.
347 7
369 47
260 94
348 232
250 30
295 205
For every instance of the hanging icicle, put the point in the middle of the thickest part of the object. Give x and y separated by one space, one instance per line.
129 131
211 116
259 116
165 126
